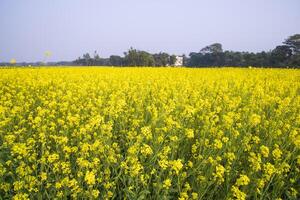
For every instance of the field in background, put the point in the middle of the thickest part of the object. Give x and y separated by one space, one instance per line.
149 133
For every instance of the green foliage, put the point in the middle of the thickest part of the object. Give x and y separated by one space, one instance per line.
294 43
138 58
213 48
282 56
286 55
116 60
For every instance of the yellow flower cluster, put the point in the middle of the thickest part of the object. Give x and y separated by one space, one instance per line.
149 133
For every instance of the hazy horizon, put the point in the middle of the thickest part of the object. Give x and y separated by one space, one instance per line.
72 27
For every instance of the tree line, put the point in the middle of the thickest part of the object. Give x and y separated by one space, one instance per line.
132 57
285 55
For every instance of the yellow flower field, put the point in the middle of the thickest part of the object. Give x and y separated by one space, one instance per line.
149 133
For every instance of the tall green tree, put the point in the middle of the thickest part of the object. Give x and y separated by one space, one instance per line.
138 58
96 60
87 59
116 60
213 48
161 59
172 60
280 55
293 42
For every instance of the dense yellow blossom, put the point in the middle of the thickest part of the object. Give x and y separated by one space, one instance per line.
255 119
219 174
167 183
189 133
277 153
90 178
149 133
238 194
146 150
176 165
264 151
242 180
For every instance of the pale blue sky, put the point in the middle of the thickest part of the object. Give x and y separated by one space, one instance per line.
69 28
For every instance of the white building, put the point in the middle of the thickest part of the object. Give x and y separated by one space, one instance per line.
179 61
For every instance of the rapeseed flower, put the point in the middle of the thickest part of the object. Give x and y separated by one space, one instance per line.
167 183
90 133
242 180
264 151
176 165
90 178
189 133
